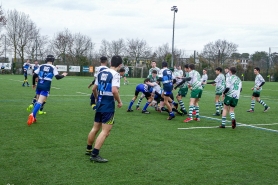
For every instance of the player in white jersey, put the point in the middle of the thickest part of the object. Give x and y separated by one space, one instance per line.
204 78
259 82
219 84
153 64
195 85
231 94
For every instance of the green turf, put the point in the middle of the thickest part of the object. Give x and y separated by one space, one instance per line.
141 149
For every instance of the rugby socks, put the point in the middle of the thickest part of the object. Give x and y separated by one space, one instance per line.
95 152
252 104
217 107
146 106
89 147
42 106
232 114
221 105
130 104
36 109
223 120
182 105
191 107
197 111
263 103
34 100
139 101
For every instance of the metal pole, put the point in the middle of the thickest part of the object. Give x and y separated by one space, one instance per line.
172 60
5 49
36 47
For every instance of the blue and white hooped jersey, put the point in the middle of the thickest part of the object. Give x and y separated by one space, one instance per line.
26 66
99 69
45 74
143 88
36 67
167 76
106 79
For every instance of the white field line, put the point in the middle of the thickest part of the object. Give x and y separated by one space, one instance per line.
238 124
55 88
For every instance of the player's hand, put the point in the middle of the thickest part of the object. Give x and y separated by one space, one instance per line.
252 88
258 88
65 74
120 105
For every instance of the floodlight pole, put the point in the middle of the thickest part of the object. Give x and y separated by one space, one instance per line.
175 9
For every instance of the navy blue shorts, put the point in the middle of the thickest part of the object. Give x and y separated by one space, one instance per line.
105 117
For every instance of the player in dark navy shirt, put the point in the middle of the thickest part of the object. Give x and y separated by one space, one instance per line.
26 66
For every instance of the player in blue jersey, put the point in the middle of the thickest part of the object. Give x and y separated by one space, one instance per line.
167 80
36 66
44 73
103 65
106 91
26 66
145 89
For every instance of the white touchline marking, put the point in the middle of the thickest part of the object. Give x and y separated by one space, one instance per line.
238 124
55 87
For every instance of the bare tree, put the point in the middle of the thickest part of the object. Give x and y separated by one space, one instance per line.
162 52
61 44
219 51
137 49
36 49
3 19
20 32
115 47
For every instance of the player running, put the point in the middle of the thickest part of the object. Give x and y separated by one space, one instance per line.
259 82
26 66
45 73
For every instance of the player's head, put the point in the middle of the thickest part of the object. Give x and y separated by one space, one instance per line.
164 64
122 71
49 58
205 71
153 64
232 70
27 60
257 70
146 80
103 59
179 67
191 67
226 69
218 70
154 73
116 61
185 67
36 62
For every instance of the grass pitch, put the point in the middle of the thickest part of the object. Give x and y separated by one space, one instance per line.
141 149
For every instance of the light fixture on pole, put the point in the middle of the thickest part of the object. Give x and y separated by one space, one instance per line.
175 9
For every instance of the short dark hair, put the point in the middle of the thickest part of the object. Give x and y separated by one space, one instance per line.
233 70
218 69
147 80
205 69
103 59
164 64
257 68
49 58
154 71
186 66
191 66
122 70
116 61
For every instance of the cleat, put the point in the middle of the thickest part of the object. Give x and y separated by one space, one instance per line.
23 85
30 107
187 120
250 110
31 119
94 106
129 110
222 126
98 159
184 112
88 152
216 114
233 123
197 119
137 107
41 112
266 109
171 117
194 112
180 113
145 112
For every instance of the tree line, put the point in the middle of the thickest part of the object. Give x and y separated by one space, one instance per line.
21 36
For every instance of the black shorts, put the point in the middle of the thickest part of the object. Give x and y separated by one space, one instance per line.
256 94
147 94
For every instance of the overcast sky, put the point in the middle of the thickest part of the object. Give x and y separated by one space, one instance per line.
251 24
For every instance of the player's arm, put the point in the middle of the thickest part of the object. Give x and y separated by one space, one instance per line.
92 83
183 81
94 89
213 82
35 75
58 77
115 89
262 84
